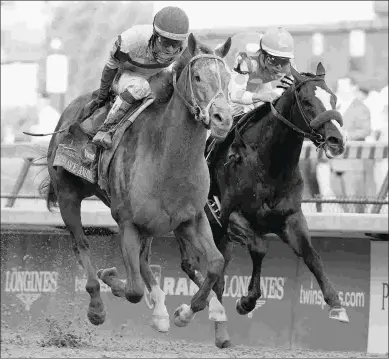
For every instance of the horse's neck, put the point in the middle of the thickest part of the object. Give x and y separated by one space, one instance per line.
182 139
280 146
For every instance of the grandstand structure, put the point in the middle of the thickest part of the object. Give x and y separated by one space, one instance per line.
357 46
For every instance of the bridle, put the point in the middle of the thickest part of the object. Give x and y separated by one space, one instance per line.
313 125
195 109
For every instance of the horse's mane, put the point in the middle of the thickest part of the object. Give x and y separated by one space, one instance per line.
308 74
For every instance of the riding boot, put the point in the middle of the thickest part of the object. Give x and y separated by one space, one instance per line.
103 137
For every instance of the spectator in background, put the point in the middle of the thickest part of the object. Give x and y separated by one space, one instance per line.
353 177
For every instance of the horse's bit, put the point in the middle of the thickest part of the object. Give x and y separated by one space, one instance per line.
194 108
317 122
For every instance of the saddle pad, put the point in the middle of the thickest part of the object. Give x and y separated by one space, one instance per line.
77 154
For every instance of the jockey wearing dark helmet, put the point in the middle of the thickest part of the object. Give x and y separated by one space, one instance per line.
137 54
269 68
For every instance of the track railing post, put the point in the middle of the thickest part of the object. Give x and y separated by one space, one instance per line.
19 181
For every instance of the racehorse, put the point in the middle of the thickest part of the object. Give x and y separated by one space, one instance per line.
158 182
255 174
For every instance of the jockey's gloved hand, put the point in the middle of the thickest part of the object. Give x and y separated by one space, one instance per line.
285 83
267 95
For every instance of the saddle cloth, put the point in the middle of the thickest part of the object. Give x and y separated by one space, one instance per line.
79 155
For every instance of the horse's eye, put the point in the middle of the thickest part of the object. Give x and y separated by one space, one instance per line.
197 78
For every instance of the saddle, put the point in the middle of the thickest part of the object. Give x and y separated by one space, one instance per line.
80 156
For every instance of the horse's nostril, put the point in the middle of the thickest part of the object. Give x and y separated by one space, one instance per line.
334 141
217 118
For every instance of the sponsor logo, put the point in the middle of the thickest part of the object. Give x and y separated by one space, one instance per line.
312 296
235 287
29 285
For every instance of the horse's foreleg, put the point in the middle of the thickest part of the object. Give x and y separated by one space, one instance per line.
198 233
69 202
130 245
296 235
190 264
160 313
239 226
225 246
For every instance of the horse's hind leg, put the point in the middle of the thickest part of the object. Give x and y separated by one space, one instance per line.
296 234
69 201
198 233
160 313
239 226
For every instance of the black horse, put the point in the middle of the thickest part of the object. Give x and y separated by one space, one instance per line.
255 174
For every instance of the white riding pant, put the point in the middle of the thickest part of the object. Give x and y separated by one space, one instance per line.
135 84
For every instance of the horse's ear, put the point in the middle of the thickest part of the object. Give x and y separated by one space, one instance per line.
222 50
320 70
192 44
295 74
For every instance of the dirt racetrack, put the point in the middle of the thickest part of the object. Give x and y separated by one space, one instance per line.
118 344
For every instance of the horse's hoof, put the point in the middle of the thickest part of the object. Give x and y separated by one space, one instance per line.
161 323
217 312
223 344
240 309
96 318
103 273
339 314
183 315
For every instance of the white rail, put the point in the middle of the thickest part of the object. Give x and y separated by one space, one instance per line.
317 222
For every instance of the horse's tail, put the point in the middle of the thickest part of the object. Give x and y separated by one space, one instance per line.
46 190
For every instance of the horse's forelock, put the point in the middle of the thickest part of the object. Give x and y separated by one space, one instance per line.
185 57
205 49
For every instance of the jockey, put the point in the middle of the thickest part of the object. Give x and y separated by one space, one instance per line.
269 69
137 54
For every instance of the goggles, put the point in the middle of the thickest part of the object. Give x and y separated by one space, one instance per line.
165 42
275 60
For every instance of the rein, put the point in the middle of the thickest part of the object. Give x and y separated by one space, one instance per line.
316 123
194 108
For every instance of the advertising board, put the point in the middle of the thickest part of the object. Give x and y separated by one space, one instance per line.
378 326
346 262
41 277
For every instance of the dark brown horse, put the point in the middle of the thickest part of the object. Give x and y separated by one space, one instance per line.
255 174
158 182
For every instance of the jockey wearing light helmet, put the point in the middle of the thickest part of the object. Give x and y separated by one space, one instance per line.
269 68
138 54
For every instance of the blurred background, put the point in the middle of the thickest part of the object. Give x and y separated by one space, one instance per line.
53 51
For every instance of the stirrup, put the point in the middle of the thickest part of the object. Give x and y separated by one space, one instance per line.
100 140
215 207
